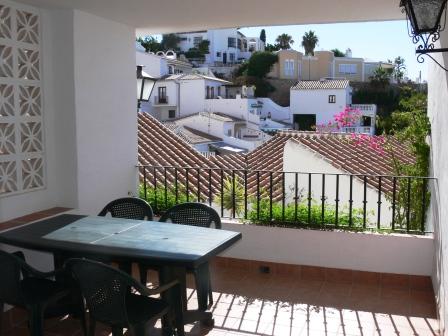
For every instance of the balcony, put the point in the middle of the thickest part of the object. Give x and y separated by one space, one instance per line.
293 301
161 100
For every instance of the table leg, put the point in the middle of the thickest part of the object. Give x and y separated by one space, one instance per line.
170 273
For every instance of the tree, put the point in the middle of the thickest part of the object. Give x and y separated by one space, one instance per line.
399 68
380 77
260 63
263 35
338 53
272 47
150 44
309 42
254 71
284 41
170 41
411 126
203 47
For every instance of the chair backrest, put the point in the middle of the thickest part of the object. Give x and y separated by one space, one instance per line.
196 214
13 270
104 288
129 208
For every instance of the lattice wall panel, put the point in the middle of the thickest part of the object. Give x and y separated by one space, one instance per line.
22 160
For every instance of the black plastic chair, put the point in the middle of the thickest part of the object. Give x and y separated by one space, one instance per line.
196 214
110 297
25 287
129 208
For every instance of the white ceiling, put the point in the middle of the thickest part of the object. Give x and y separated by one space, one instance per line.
159 16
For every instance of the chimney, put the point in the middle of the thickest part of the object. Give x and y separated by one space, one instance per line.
348 53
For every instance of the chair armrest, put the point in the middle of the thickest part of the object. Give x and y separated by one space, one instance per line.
31 271
153 291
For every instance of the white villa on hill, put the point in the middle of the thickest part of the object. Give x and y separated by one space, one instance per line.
227 46
315 103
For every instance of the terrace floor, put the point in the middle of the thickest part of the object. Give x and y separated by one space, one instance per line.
250 303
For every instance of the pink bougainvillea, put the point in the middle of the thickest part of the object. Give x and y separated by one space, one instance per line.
346 118
375 142
350 117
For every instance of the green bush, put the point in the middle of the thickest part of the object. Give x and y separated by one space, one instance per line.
311 217
161 201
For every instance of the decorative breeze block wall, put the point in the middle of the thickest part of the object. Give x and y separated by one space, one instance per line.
22 160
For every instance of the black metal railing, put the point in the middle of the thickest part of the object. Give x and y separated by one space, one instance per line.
295 199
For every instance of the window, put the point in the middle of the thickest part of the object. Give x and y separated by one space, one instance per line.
197 40
183 38
231 42
219 91
212 92
349 69
171 114
162 95
170 69
232 57
289 68
229 132
218 54
240 44
332 99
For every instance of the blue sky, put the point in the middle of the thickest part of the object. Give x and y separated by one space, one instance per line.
373 40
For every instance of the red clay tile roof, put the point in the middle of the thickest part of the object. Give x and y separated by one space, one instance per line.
158 146
323 84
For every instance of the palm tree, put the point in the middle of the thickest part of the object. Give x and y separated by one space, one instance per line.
309 42
284 41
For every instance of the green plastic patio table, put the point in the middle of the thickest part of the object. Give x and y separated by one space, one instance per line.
173 248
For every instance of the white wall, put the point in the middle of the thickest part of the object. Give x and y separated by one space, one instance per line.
58 120
316 102
402 254
298 158
204 124
438 115
106 110
278 112
239 108
153 65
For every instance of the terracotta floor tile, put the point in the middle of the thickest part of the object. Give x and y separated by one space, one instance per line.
260 304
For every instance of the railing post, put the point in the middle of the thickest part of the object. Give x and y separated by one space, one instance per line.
379 204
309 198
245 194
145 191
323 201
336 221
423 219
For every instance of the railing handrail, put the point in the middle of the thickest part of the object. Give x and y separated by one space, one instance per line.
286 172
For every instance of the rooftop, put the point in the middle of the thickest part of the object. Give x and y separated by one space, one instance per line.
194 77
189 134
159 146
325 84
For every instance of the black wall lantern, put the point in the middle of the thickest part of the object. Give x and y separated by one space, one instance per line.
424 17
145 84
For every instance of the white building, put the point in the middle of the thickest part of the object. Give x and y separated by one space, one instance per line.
237 134
299 157
315 103
177 96
162 63
227 46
